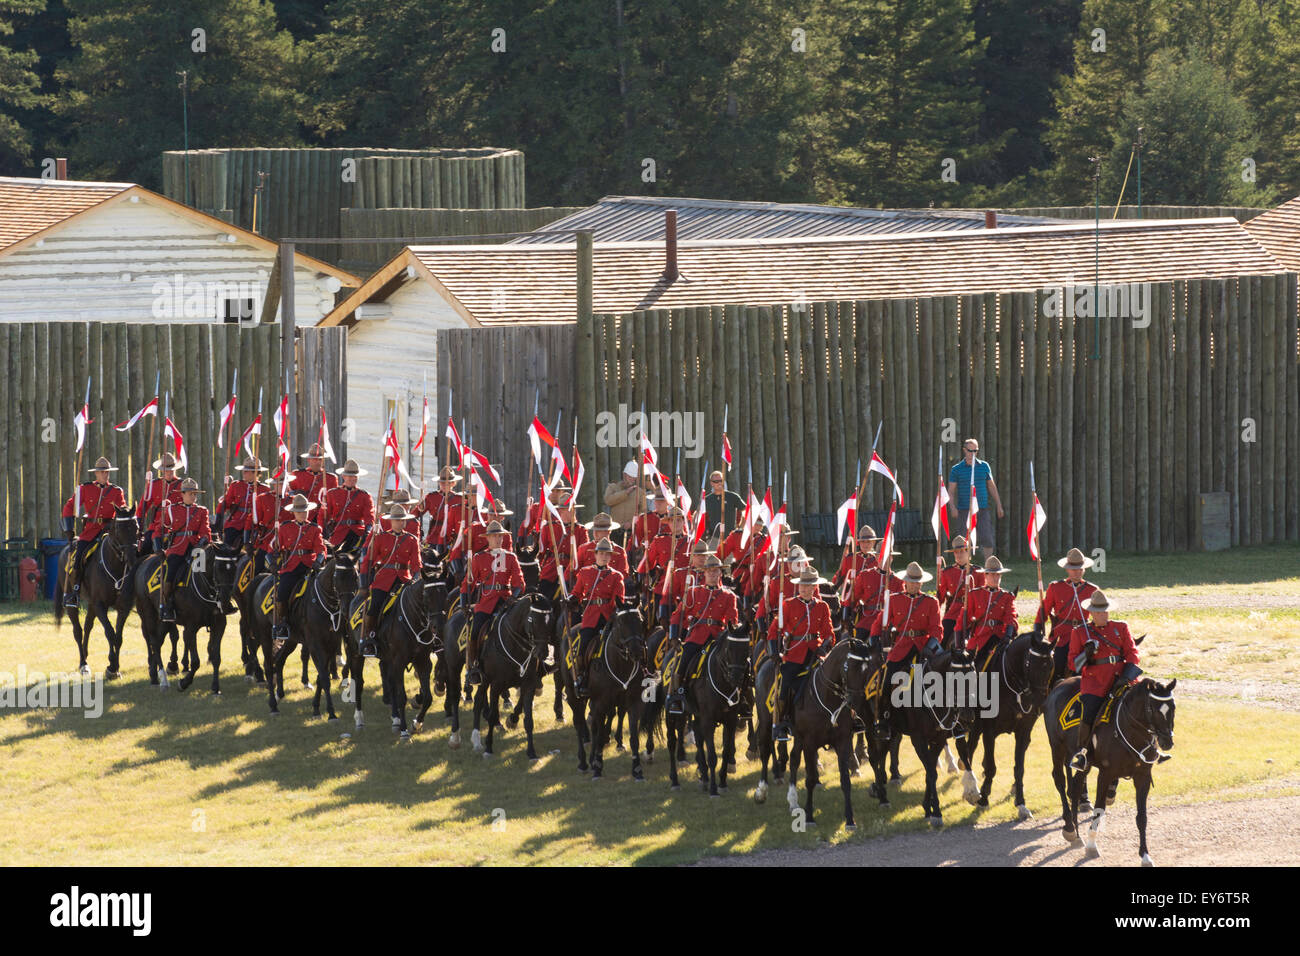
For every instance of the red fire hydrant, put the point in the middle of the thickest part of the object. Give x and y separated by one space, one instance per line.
29 576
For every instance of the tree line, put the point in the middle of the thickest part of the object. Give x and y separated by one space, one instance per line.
865 102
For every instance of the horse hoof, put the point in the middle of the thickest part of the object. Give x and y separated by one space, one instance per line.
596 777
896 780
649 758
84 670
676 786
419 725
760 793
850 827
1023 812
731 767
111 674
983 801
275 713
751 754
332 719
714 796
935 822
638 778
248 678
487 755
172 668
1085 807
1147 861
1091 853
405 735
512 722
690 738
1071 836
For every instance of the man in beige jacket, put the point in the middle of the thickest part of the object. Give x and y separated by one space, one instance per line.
622 501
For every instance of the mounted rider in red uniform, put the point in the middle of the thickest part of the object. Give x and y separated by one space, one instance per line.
707 611
394 557
595 599
800 629
185 526
98 501
1063 602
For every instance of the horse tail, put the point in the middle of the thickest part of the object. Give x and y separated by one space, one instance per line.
651 715
58 600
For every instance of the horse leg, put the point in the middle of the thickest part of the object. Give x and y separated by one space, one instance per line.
527 695
119 629
845 753
480 711
1023 730
929 756
558 682
324 664
216 630
811 778
599 740
579 712
990 765
356 670
1141 787
877 754
708 729
79 637
173 666
792 793
1059 779
634 737
730 725
191 637
423 670
493 718
894 743
618 732
100 610
670 744
1090 849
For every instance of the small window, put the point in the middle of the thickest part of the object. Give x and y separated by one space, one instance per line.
238 311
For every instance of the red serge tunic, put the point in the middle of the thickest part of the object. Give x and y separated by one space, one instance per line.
188 525
991 612
157 493
1115 648
264 527
99 504
706 612
313 485
869 593
916 617
1063 602
597 590
950 588
494 575
236 505
347 510
807 624
553 541
395 556
301 544
617 560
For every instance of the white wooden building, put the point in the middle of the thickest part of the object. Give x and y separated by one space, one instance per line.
87 251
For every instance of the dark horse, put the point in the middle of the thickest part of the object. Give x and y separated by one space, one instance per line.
317 620
104 585
714 698
615 685
199 597
929 725
1022 670
515 644
823 717
764 667
1128 744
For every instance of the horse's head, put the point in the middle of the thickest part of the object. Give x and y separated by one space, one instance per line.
434 580
734 647
125 532
344 578
1038 669
224 561
526 552
1159 714
629 629
539 622
861 660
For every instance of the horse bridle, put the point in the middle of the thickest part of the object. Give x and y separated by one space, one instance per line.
734 697
1035 651
842 684
437 582
532 644
120 551
1153 742
623 647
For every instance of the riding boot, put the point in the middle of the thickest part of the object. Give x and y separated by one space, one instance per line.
166 610
368 628
1079 761
474 673
73 595
781 722
281 632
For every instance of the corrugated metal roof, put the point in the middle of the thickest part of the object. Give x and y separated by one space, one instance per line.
29 205
1278 231
641 218
516 284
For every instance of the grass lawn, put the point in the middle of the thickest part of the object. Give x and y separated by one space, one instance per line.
169 778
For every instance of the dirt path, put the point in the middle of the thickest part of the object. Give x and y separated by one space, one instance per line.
1258 832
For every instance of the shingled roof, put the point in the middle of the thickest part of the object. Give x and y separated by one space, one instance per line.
1278 231
28 206
526 284
641 218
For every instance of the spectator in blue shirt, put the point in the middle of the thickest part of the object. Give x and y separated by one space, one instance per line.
959 480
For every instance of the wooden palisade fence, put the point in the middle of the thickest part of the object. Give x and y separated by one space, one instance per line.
46 366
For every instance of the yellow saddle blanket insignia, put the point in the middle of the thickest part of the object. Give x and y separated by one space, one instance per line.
462 641
358 616
246 576
1073 711
876 683
155 579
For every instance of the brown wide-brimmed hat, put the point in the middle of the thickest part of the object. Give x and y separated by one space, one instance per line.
676 512
398 512
315 451
253 464
994 566
189 484
809 576
959 543
914 573
102 464
1075 558
446 474
796 553
1098 602
701 547
604 546
713 563
401 496
165 460
495 527
300 504
350 467
867 533
603 522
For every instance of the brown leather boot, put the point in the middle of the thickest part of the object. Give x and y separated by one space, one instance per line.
1082 734
473 673
280 633
368 627
166 610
